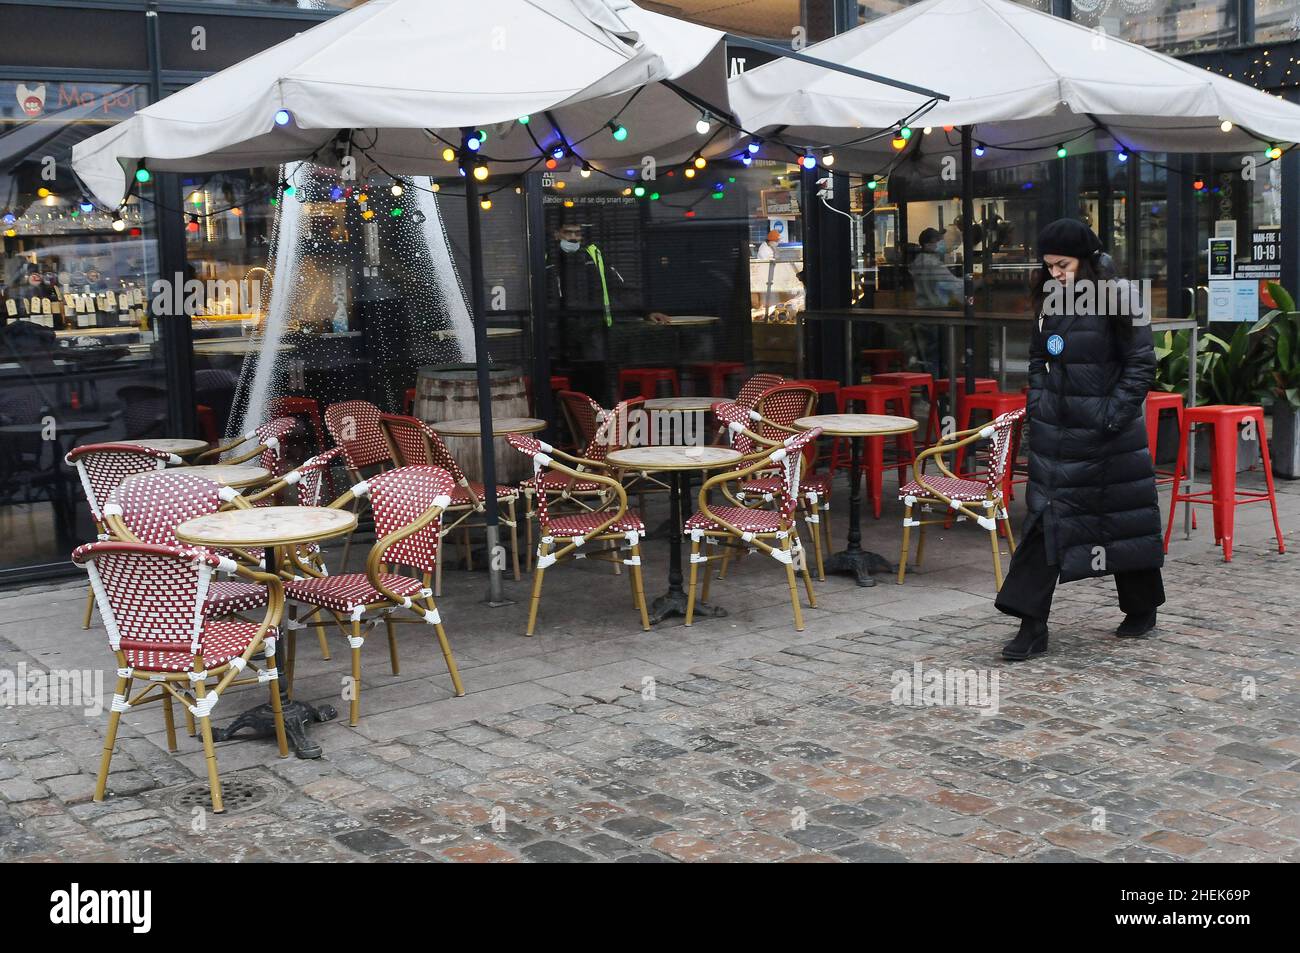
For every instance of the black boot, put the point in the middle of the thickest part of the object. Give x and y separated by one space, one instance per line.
1136 624
1030 640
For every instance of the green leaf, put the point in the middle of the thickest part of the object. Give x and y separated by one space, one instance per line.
1281 296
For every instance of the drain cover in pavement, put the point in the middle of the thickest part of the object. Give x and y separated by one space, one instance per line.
241 791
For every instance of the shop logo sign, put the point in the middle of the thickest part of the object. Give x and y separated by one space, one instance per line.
31 99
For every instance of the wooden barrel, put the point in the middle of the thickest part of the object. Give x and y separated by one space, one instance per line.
450 392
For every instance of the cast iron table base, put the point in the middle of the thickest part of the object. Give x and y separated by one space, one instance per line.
854 559
297 716
673 602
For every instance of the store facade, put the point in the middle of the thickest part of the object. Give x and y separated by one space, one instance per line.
139 325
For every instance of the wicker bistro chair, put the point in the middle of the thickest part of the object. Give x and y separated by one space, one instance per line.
153 599
755 387
265 441
407 504
743 529
567 536
814 502
980 500
101 467
354 426
148 508
412 442
582 415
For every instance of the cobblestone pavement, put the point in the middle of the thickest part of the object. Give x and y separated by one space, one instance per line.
1183 746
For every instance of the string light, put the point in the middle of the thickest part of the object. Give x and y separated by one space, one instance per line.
808 161
472 143
619 132
979 148
368 214
585 172
905 132
558 152
283 117
43 193
654 196
525 120
926 131
898 142
689 173
754 146
1226 125
699 162
448 154
872 184
396 213
1274 152
192 226
746 161
1198 185
336 193
828 159
1121 155
397 189
639 191
436 187
702 125
551 163
481 172
143 175
118 224
88 206
1060 151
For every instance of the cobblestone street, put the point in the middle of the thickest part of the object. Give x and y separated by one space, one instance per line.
735 740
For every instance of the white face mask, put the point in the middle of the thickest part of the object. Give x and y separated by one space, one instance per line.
569 246
940 247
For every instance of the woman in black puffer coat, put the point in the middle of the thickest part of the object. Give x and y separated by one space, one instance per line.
1092 500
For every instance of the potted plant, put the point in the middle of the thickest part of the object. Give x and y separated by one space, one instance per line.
1283 335
1236 374
1172 376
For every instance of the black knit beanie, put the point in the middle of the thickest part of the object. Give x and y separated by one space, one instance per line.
1070 237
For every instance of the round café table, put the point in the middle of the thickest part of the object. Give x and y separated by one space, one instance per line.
678 462
501 426
237 476
181 446
857 427
270 528
682 403
663 429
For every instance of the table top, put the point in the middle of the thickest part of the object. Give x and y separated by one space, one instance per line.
266 526
228 475
674 458
690 320
858 425
681 403
235 346
181 446
469 426
449 333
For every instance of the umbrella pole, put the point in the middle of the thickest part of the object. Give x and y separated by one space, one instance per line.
968 258
496 555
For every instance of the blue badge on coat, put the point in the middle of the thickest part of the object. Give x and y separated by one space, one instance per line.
1055 344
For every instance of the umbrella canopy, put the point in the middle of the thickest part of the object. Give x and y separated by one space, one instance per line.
406 80
1027 81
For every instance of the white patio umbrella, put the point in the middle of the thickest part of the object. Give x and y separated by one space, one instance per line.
394 82
1026 81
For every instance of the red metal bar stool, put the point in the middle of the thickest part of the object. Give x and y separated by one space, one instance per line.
1157 402
879 360
1226 419
877 399
646 381
914 381
715 374
997 403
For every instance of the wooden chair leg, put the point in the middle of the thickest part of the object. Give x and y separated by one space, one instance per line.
447 657
807 575
90 608
543 549
920 543
437 577
997 558
528 531
690 589
514 538
190 726
708 571
110 739
907 533
815 528
392 646
281 739
354 710
209 752
639 588
825 526
794 590
169 720
324 641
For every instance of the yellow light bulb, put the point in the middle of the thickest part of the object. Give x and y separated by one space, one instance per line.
368 214
699 162
481 172
689 173
448 154
486 204
560 184
43 193
437 187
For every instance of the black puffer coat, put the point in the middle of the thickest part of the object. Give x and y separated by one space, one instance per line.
1091 480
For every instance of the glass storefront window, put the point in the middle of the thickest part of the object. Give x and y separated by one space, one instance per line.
1167 25
79 360
1276 20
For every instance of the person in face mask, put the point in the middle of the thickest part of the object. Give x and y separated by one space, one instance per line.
590 297
936 286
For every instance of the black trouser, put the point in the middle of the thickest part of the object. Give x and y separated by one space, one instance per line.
1031 580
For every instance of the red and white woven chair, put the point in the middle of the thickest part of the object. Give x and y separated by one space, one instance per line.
980 500
265 441
740 529
101 467
149 507
569 536
407 504
814 488
412 442
152 601
585 417
755 387
354 426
